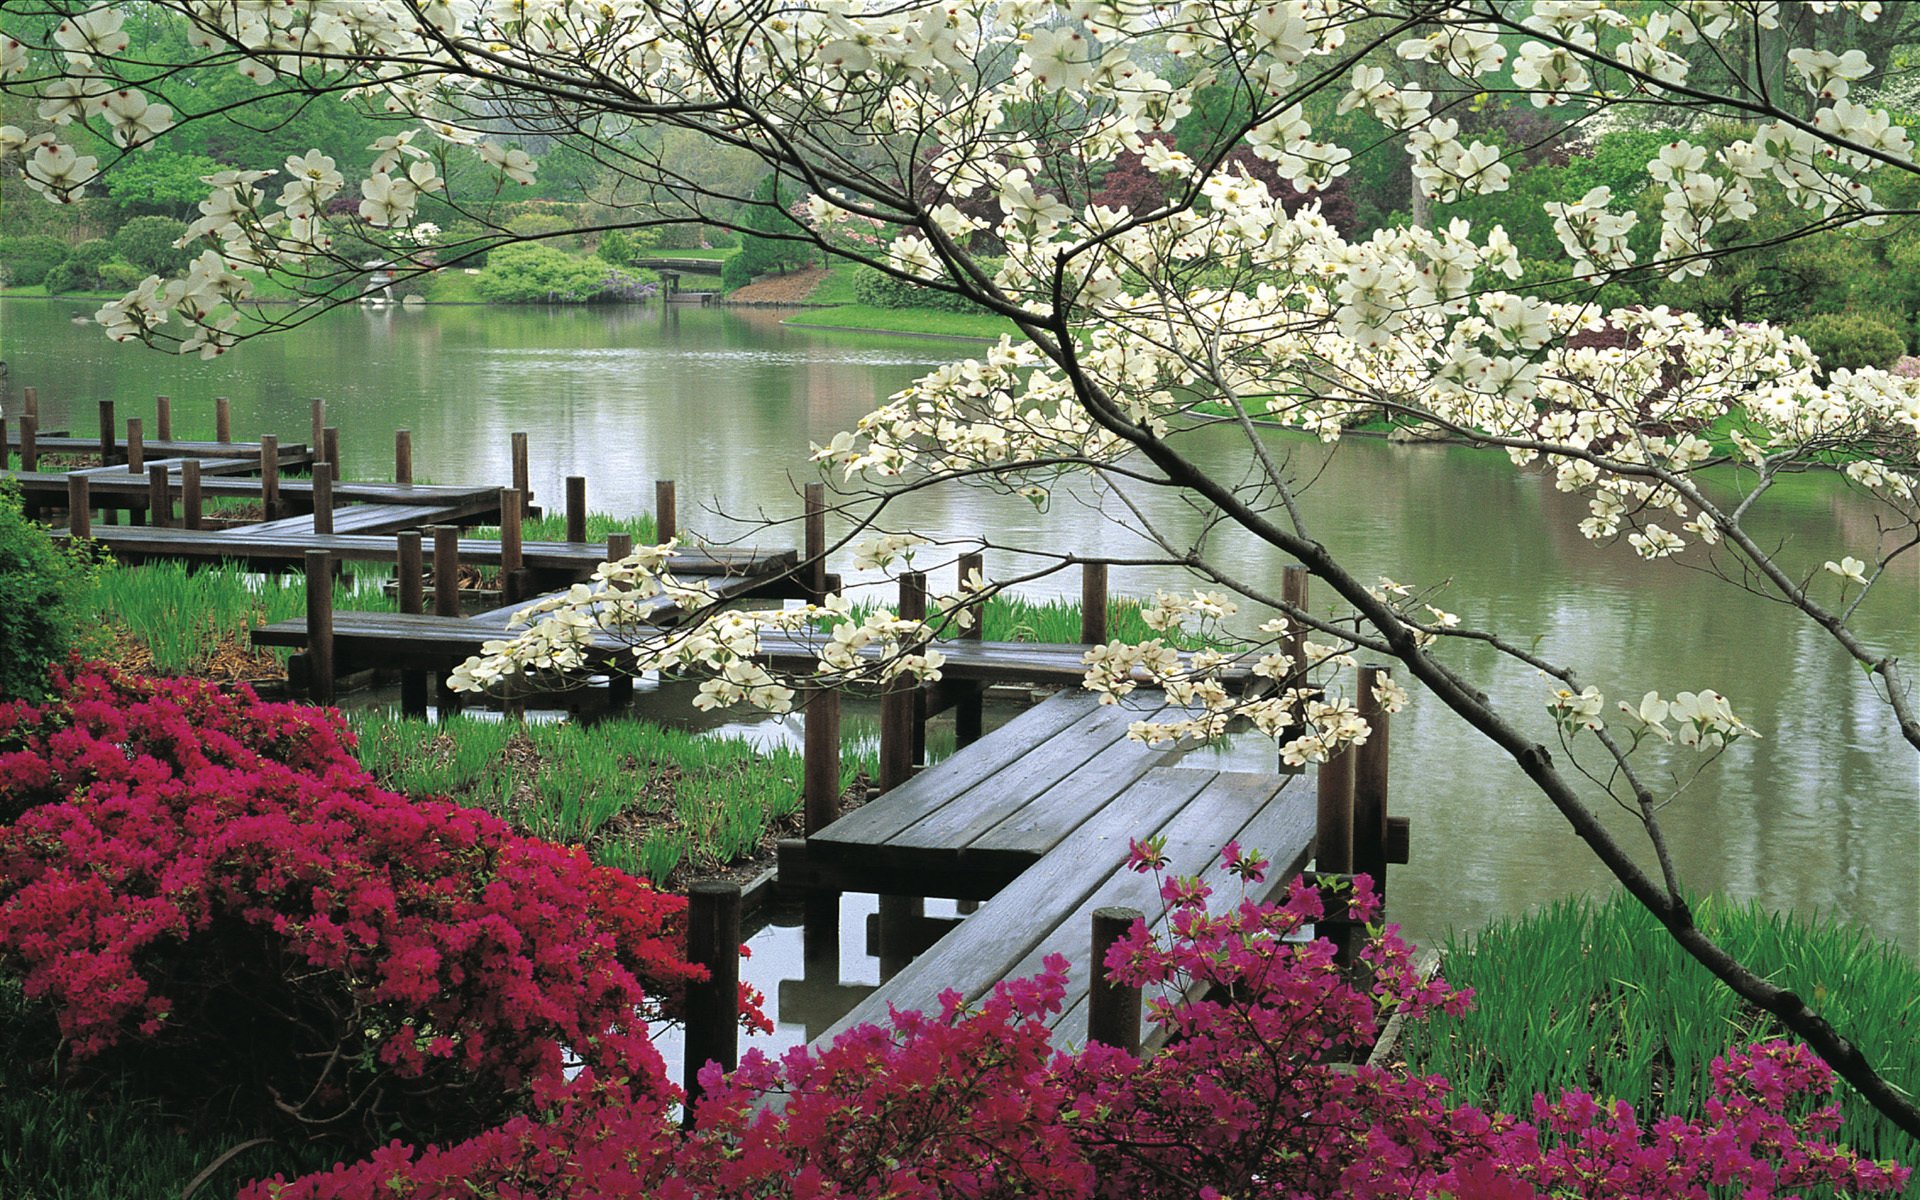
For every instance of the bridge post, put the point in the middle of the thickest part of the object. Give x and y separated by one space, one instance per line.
446 599
323 497
222 420
408 568
522 475
666 515
512 557
576 508
163 418
969 716
1333 837
159 497
1113 1009
403 456
269 476
79 502
1370 784
813 564
320 626
191 503
713 1006
1093 603
619 682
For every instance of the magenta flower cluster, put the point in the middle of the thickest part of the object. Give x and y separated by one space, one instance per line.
214 882
1256 1093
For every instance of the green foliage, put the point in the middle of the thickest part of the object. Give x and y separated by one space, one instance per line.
80 270
161 182
542 225
765 255
1851 340
552 527
25 261
881 290
616 246
1598 996
187 619
641 798
539 274
40 592
148 243
734 272
117 276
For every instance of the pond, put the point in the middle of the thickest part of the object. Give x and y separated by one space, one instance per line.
1822 814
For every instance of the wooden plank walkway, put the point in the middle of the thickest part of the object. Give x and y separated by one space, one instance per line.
1036 818
351 519
290 549
291 454
116 486
430 641
1049 908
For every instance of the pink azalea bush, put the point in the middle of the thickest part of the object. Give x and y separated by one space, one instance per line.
210 891
1253 1096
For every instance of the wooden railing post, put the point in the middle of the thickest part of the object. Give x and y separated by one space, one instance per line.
408 568
316 432
191 503
1093 603
619 681
446 602
969 710
329 447
446 570
136 446
522 473
79 505
159 496
107 450
576 508
1333 837
1370 783
813 563
512 556
320 626
29 442
713 1005
1113 1009
666 514
822 760
222 420
30 402
403 456
913 607
323 497
163 418
270 475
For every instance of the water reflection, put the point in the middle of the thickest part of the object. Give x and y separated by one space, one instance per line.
1823 813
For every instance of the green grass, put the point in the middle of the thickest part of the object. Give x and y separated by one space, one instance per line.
865 317
1597 996
188 619
836 287
552 527
642 798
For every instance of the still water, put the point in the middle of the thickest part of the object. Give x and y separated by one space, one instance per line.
1820 814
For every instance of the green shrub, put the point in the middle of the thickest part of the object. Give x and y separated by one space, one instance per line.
1851 340
537 274
875 287
542 225
25 261
147 243
80 270
117 276
40 591
734 273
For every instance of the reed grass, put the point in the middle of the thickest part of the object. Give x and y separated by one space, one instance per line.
185 618
1597 996
552 527
645 799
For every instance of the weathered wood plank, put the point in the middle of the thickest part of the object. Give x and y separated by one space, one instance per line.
1082 766
292 454
1278 820
990 942
886 817
359 518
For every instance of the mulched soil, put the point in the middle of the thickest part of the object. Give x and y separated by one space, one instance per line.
792 288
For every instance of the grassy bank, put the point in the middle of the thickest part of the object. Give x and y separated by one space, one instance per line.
552 527
163 617
865 318
647 800
1597 996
